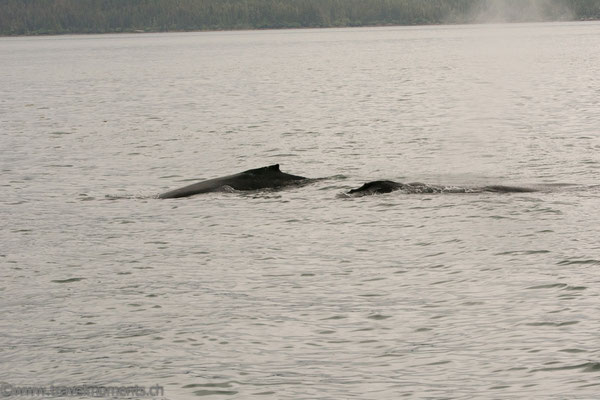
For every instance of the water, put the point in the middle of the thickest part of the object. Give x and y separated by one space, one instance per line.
303 293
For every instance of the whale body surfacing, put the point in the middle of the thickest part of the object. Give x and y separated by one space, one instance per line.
253 179
386 186
377 187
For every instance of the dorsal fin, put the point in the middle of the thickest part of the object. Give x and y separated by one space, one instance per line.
270 168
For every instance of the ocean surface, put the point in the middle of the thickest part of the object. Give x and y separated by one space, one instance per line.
303 293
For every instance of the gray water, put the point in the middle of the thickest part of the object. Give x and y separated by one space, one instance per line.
303 293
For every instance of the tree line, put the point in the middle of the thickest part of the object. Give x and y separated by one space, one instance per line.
30 17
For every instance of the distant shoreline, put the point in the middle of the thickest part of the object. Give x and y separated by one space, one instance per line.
241 29
64 17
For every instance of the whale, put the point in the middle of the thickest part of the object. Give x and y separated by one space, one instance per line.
387 186
269 177
377 187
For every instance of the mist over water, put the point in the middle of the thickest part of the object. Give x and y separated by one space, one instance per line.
502 11
303 292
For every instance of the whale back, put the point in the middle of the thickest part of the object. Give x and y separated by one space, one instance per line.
252 179
377 187
261 178
385 186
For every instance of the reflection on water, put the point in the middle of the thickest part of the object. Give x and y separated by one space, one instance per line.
302 293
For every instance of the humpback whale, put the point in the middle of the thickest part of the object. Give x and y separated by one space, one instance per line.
253 179
377 187
386 186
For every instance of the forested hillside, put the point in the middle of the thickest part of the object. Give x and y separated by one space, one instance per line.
25 17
